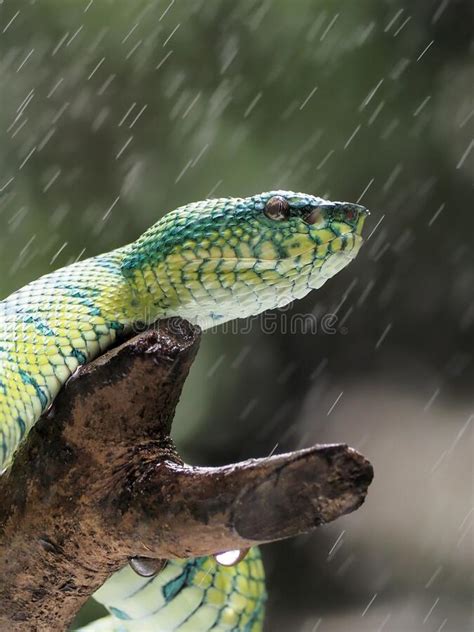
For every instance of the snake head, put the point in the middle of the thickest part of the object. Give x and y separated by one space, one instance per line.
296 235
303 223
216 260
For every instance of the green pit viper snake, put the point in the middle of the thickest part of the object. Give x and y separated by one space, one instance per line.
208 262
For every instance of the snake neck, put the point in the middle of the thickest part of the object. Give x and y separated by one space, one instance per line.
168 276
149 287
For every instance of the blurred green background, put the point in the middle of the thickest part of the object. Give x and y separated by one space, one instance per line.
113 113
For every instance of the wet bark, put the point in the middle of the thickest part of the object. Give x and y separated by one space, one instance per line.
99 481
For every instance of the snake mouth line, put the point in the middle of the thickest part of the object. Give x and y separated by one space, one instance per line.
356 238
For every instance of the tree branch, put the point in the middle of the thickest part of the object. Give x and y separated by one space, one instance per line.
98 481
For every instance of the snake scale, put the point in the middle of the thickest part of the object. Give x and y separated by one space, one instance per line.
208 262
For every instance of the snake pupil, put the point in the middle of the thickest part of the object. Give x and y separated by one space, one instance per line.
277 208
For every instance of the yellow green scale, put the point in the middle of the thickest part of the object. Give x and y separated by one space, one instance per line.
208 262
186 596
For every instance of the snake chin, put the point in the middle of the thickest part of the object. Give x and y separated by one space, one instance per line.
262 284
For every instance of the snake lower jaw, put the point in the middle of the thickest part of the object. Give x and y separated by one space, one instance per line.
344 249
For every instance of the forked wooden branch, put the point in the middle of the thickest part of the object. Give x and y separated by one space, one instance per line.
98 481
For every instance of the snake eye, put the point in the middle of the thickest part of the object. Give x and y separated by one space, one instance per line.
277 208
314 216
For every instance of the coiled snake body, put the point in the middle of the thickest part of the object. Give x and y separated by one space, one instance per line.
208 262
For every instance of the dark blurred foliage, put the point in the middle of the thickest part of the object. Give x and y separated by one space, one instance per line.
116 112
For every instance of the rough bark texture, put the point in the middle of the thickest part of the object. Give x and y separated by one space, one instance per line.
98 481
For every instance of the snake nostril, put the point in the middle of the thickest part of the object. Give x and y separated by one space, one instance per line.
351 214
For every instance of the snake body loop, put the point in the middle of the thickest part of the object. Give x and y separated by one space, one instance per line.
208 262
